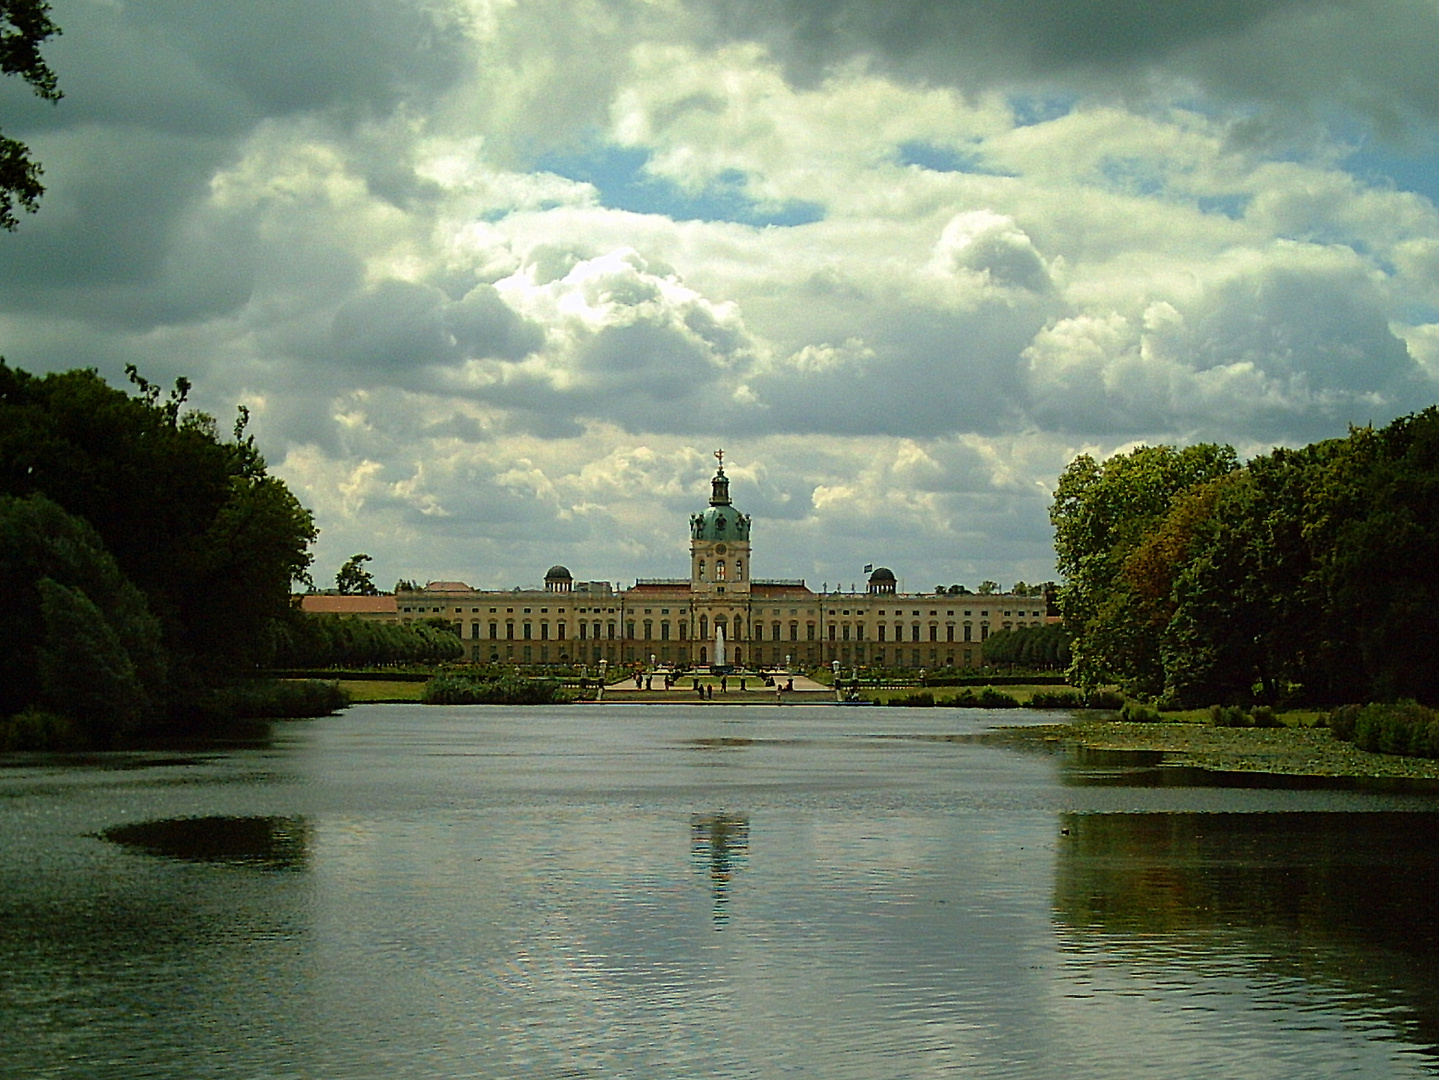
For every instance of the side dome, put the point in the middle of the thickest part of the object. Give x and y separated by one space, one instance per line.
557 572
558 579
882 580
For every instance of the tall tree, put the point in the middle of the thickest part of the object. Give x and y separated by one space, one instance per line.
193 520
1102 513
24 27
72 621
354 580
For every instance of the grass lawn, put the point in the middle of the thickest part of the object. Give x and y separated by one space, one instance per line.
1021 692
373 690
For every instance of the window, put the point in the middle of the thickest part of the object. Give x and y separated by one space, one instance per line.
845 635
881 632
583 628
933 632
774 631
949 632
831 631
561 631
528 631
968 632
704 626
544 630
684 630
794 631
494 630
611 628
649 629
719 570
630 630
739 569
984 632
702 569
809 631
914 632
859 632
474 630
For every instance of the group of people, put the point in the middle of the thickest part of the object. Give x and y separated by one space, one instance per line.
706 691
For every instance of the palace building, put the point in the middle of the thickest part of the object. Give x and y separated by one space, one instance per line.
721 615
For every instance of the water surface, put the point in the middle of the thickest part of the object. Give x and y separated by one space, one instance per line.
677 891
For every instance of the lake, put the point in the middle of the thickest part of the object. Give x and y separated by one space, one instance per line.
704 891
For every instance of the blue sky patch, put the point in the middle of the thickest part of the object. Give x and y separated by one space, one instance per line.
939 158
618 173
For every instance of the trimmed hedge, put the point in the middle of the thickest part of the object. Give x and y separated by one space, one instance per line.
1406 729
506 690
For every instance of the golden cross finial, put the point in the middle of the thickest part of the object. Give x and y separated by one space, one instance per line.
719 455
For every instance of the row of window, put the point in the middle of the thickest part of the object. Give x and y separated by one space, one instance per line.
598 630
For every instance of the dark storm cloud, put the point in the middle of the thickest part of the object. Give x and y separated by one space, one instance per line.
1375 55
398 328
216 68
158 96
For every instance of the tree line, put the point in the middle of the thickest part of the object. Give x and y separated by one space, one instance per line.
321 641
144 556
1303 575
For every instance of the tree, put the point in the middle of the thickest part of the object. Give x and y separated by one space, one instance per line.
24 26
75 635
193 520
988 588
1101 514
354 580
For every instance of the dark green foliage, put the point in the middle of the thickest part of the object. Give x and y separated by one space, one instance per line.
24 27
302 640
1304 576
922 700
76 638
1036 648
279 698
1406 729
168 552
1057 699
1103 700
85 671
1236 716
36 729
1136 712
504 690
987 698
196 523
354 580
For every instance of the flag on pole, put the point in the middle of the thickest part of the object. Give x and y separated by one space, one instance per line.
869 566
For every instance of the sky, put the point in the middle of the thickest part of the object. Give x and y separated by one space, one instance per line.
496 277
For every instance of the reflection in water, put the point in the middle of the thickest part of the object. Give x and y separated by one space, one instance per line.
271 843
1339 899
720 844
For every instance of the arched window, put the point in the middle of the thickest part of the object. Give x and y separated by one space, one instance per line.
739 569
704 626
719 570
702 569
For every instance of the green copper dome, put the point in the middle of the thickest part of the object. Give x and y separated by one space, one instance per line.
721 521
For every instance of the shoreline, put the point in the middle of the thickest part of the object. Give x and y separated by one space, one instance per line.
1283 751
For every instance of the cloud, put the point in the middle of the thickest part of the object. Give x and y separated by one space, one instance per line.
1286 57
1293 345
492 275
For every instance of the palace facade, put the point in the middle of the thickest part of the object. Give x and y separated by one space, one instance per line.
720 615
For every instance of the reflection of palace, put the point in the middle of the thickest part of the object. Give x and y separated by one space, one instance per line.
720 843
720 614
